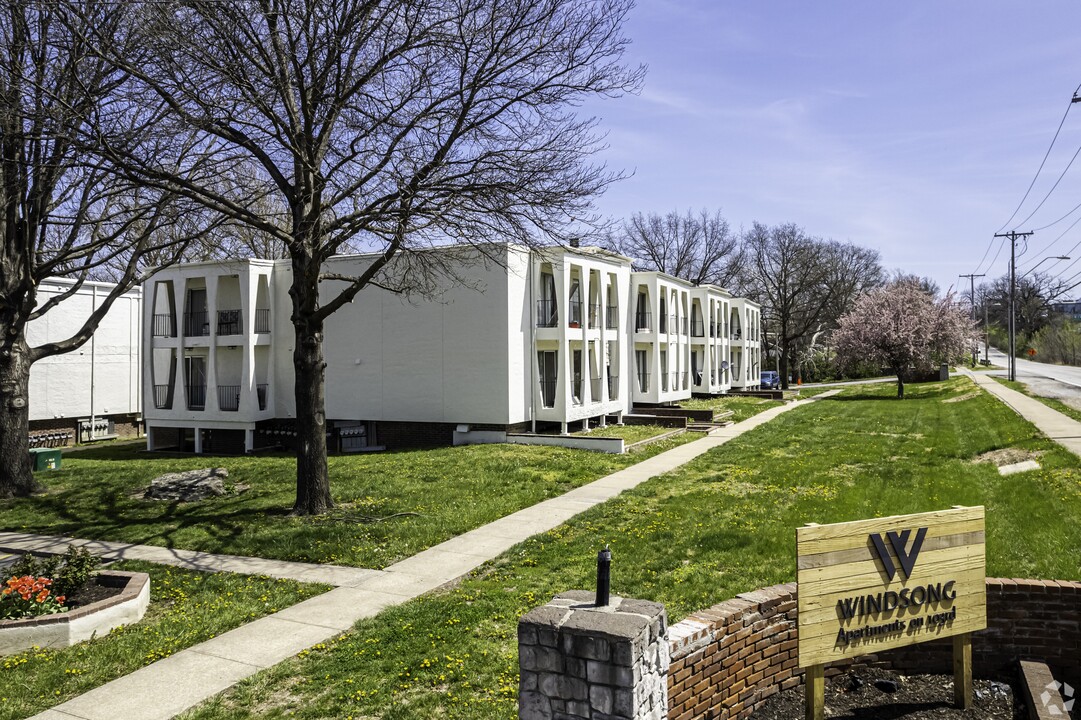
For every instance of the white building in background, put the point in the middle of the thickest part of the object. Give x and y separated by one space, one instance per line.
521 340
92 393
745 326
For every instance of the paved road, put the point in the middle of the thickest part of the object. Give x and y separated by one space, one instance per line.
1062 382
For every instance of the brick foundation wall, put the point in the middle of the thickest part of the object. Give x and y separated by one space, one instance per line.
730 658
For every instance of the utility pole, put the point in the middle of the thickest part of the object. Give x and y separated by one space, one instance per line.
972 302
1013 278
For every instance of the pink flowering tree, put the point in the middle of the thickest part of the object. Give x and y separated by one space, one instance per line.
902 327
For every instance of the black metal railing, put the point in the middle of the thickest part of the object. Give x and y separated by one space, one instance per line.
262 321
613 387
197 323
594 315
641 321
229 398
229 322
548 393
643 382
611 320
547 313
574 313
163 397
196 395
261 392
663 323
164 326
697 330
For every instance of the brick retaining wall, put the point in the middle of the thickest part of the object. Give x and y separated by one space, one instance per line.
728 659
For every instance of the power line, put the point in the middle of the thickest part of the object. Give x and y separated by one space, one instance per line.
1045 197
1047 154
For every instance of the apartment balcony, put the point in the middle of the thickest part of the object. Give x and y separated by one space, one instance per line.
642 322
197 324
611 319
229 322
548 393
547 314
262 321
613 387
594 315
196 395
163 397
574 314
229 398
164 326
697 329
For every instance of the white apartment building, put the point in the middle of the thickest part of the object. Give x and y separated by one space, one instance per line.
521 340
710 346
92 393
745 326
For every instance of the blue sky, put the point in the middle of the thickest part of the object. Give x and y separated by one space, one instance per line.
914 128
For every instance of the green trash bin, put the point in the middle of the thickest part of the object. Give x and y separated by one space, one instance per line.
45 458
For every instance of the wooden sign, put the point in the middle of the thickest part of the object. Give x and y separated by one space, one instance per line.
872 585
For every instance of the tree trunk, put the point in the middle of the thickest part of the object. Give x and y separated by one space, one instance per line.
16 473
783 367
309 365
900 384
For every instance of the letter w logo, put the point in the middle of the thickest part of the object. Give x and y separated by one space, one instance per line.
907 557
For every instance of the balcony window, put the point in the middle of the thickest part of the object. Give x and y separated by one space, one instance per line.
546 313
229 398
196 397
613 387
594 315
197 324
262 321
611 320
261 392
229 322
643 382
697 330
163 397
195 381
642 321
547 371
164 325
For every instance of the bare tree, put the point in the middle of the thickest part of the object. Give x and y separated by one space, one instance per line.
701 248
804 285
61 212
396 124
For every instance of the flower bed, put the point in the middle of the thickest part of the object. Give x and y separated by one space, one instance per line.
64 629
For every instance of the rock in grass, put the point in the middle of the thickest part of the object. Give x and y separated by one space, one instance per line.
188 486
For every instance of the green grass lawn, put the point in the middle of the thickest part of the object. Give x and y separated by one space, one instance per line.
186 608
390 505
633 433
723 524
741 407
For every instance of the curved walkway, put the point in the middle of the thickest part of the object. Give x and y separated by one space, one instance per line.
168 687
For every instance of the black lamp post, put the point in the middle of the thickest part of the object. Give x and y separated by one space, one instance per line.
604 576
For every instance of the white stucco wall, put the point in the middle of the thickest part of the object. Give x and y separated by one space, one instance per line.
445 358
100 378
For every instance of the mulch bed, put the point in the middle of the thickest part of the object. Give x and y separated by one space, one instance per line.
93 591
883 695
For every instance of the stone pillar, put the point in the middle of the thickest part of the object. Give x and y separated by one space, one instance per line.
581 662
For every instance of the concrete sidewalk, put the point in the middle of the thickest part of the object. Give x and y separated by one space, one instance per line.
171 686
1062 429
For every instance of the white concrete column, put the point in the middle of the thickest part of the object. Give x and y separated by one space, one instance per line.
249 398
212 359
199 440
